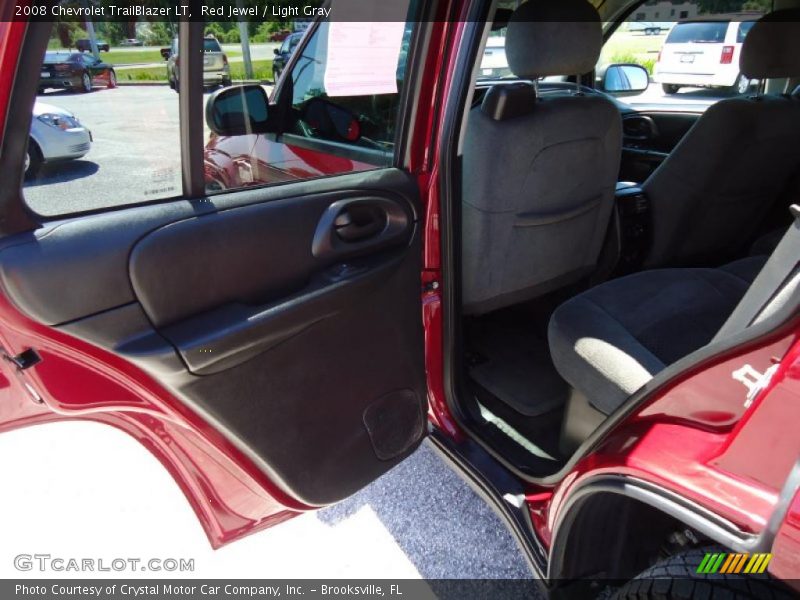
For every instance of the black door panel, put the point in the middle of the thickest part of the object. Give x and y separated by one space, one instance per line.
291 321
72 268
648 138
257 278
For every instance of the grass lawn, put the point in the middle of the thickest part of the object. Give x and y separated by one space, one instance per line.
127 57
262 70
139 56
635 47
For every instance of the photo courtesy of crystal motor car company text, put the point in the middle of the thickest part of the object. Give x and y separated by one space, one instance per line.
421 299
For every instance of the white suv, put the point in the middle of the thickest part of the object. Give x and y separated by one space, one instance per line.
704 53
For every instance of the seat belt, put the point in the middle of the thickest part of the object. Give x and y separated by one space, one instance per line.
774 286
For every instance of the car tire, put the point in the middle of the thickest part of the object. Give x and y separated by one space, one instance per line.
670 88
86 83
112 79
33 160
677 578
742 85
227 83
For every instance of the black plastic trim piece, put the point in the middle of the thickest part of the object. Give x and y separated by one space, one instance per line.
14 215
190 85
223 338
409 94
681 509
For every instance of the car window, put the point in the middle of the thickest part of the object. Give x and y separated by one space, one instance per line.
685 48
698 32
743 30
211 45
108 135
376 112
494 64
285 46
341 116
111 143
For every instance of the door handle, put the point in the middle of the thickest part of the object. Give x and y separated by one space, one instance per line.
359 225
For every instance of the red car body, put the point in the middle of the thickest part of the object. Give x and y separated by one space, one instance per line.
240 161
693 438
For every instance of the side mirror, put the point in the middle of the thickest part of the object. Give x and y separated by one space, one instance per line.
166 53
625 79
238 110
331 121
276 51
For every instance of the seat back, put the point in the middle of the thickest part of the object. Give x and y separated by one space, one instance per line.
539 173
710 194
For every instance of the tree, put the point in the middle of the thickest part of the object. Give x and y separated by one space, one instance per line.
728 6
233 37
113 32
68 33
160 34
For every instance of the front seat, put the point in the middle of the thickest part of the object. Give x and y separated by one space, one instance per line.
539 171
712 191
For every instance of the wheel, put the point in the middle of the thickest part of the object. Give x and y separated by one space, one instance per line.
33 160
677 578
112 79
742 85
226 83
86 83
670 89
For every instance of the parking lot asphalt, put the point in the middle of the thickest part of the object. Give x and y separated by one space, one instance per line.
87 490
135 155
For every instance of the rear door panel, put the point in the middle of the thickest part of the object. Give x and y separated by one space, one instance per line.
307 357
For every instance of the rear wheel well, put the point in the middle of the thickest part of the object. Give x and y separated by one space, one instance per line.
612 537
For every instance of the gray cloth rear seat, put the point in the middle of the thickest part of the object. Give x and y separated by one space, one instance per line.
612 339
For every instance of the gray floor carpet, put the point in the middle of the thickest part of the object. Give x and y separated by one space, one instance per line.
513 363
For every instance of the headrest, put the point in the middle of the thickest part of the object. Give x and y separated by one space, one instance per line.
507 101
772 47
553 37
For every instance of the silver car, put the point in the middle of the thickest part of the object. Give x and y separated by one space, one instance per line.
216 70
56 134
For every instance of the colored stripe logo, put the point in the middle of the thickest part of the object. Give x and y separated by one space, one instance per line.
727 563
